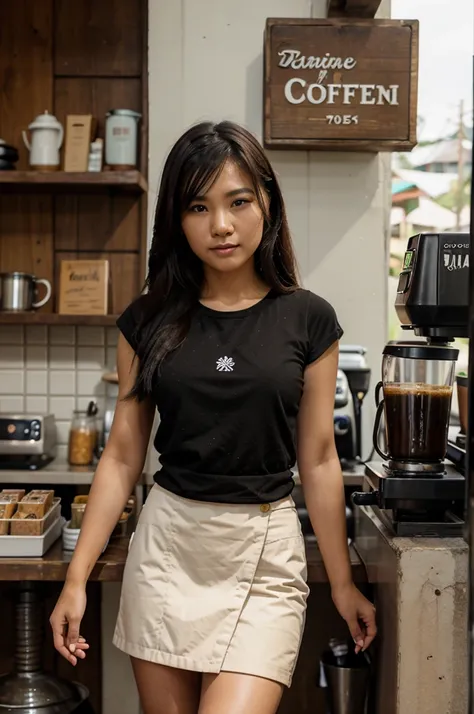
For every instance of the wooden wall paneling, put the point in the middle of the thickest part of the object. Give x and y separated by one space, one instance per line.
66 220
26 76
89 95
26 237
144 145
26 90
125 222
58 257
97 38
97 223
106 221
144 92
40 234
143 260
125 279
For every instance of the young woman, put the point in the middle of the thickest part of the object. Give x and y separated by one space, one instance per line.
241 364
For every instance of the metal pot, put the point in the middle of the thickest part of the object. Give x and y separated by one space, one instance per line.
18 292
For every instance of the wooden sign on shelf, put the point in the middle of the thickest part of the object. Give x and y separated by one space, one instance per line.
84 287
341 84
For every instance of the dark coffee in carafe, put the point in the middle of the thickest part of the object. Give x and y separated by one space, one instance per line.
417 419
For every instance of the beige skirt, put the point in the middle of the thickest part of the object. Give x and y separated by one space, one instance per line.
213 587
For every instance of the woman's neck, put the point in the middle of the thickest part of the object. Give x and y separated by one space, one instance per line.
242 284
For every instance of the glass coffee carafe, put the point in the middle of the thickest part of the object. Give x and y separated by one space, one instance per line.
417 383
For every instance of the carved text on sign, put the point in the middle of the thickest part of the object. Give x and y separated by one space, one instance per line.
295 60
298 90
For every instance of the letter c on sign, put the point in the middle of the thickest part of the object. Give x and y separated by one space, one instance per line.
288 93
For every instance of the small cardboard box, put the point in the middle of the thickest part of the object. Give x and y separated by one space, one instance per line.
80 132
84 287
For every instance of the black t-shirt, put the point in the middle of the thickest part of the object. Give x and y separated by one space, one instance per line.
228 398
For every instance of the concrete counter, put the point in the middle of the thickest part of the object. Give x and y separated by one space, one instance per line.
420 588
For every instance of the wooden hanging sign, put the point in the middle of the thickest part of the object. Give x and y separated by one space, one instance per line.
341 84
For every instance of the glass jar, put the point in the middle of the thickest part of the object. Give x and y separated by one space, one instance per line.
82 439
417 381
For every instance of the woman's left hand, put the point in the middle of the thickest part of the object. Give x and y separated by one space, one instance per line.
359 614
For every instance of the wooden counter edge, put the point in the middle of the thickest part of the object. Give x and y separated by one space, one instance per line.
109 568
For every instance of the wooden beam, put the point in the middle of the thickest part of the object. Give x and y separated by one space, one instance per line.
353 8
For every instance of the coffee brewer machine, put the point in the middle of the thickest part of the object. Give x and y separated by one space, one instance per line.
353 379
415 489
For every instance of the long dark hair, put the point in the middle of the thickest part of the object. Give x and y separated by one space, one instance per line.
175 274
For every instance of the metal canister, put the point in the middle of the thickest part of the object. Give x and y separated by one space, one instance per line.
121 139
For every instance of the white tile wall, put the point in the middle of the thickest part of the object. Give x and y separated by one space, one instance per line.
36 381
62 407
61 357
11 356
11 335
36 404
36 356
62 383
56 370
36 335
12 381
12 404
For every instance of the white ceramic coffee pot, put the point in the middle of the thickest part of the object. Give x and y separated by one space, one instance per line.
47 136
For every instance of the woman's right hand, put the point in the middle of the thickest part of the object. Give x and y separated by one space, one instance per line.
65 622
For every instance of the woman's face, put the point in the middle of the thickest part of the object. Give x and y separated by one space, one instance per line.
225 226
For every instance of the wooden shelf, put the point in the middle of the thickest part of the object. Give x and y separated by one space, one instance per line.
62 181
54 564
49 318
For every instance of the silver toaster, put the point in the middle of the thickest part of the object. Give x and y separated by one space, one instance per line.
29 435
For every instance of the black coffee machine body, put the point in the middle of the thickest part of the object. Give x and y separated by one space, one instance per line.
353 381
416 489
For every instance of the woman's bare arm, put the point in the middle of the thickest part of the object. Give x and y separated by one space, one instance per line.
119 468
323 487
319 467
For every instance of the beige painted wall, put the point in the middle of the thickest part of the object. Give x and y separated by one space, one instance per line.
205 62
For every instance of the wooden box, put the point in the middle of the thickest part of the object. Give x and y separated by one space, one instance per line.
341 84
84 287
80 131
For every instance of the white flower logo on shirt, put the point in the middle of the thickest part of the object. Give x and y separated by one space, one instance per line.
225 364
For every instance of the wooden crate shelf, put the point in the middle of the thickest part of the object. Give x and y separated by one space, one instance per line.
62 181
49 318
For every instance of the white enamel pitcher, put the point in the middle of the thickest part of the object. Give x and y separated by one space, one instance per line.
47 136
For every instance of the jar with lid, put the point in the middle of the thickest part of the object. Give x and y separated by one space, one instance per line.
82 439
121 139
